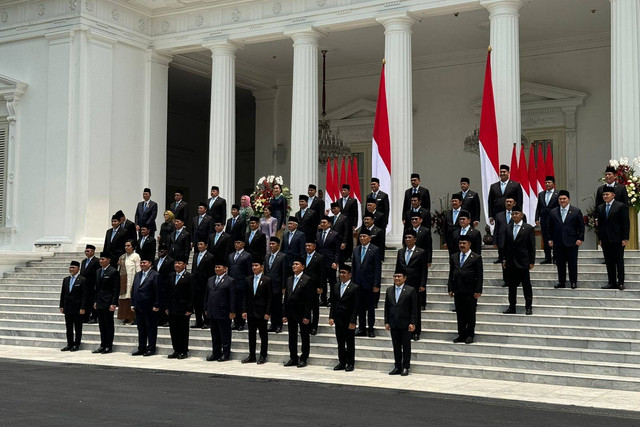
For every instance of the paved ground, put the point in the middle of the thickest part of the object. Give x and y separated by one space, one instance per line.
45 393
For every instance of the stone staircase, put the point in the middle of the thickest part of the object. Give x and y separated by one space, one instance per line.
584 337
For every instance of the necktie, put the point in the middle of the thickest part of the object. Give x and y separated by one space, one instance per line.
408 256
343 286
516 227
508 217
160 261
302 212
200 220
233 223
144 207
464 194
344 202
273 256
295 283
255 284
215 241
398 290
178 234
235 257
363 251
200 255
251 236
176 206
178 278
548 197
142 241
415 191
564 213
463 256
375 195
86 263
324 236
211 202
101 272
463 232
113 233
71 283
144 276
308 259
608 207
291 236
455 216
503 185
218 278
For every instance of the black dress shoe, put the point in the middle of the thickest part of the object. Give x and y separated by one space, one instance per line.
423 307
98 350
234 327
211 358
469 340
621 287
149 353
262 360
372 334
225 358
361 333
395 371
546 261
75 348
339 367
458 339
509 311
573 286
137 353
609 286
349 368
183 356
302 364
173 355
291 362
271 329
313 331
107 350
196 326
165 325
92 322
559 285
416 337
528 312
404 372
249 359
240 328
66 348
279 330
504 285
324 304
497 261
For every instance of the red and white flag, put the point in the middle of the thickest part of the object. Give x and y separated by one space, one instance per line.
355 188
549 162
328 190
344 178
336 181
488 136
381 144
541 169
524 183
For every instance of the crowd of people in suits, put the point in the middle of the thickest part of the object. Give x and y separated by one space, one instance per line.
262 273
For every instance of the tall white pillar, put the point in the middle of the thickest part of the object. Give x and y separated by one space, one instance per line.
398 80
304 111
625 78
222 131
505 71
265 132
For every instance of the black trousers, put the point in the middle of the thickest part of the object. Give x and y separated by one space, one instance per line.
515 277
315 312
220 337
401 339
567 255
346 344
276 310
331 278
294 324
90 313
367 308
239 290
107 330
548 250
179 330
198 302
418 329
614 258
422 296
466 314
147 324
73 320
256 323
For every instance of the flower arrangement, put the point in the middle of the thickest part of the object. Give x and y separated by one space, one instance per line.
591 215
261 197
626 175
437 218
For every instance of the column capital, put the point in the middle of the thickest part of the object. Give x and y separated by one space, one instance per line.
502 7
398 22
158 58
222 47
304 35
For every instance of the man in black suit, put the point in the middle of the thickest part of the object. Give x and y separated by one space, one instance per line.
501 222
367 274
298 302
465 229
255 240
344 308
239 268
293 241
73 302
256 310
401 317
202 268
565 234
220 244
372 210
520 257
412 261
179 207
307 218
381 199
547 200
146 302
613 233
179 307
88 269
499 191
349 207
128 226
610 179
328 245
470 201
146 246
316 204
180 240
146 212
465 287
421 192
415 208
423 241
217 206
236 226
314 269
340 224
164 266
276 268
451 223
106 301
378 235
219 307
114 240
201 225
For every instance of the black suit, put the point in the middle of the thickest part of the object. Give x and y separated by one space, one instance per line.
378 238
382 206
179 303
474 235
295 248
350 210
341 225
239 269
257 305
222 248
71 302
612 230
449 227
277 271
543 210
564 236
464 282
180 210
343 311
180 245
424 214
114 244
200 273
219 302
512 190
165 269
329 248
147 216
416 272
314 269
107 293
217 211
256 246
88 271
519 255
378 219
501 223
425 200
367 274
424 241
146 249
298 304
308 224
145 297
318 206
201 231
471 204
130 228
399 314
237 230
620 192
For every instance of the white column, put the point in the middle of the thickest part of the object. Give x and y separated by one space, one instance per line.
222 131
625 78
265 132
505 71
304 111
398 73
